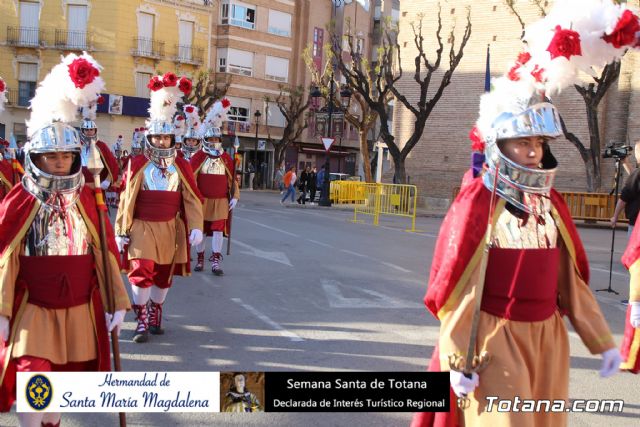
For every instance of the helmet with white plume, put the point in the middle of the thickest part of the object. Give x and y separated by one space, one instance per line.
573 37
3 94
166 91
192 140
72 84
213 125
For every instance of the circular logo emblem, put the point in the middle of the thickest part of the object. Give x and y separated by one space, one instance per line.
39 392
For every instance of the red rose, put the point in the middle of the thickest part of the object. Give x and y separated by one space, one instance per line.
564 43
226 103
169 79
477 144
180 118
2 85
624 33
82 72
513 73
100 100
155 83
185 85
188 109
537 74
523 58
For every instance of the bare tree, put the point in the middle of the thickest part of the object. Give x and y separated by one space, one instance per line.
207 89
375 84
592 94
292 104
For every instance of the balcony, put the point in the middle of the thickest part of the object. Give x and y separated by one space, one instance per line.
73 40
147 48
25 37
17 99
187 54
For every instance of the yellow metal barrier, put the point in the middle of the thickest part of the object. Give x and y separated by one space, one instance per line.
385 199
347 192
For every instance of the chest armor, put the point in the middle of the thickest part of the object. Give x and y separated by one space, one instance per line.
57 232
161 179
213 166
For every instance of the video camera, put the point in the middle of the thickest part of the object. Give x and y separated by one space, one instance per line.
616 150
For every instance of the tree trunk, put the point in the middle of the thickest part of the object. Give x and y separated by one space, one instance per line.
364 151
400 173
594 143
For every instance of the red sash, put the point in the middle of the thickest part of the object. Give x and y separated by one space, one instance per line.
521 284
213 186
157 205
58 281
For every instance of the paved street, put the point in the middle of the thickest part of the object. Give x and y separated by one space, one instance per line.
308 290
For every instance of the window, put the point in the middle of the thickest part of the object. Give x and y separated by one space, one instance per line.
27 78
145 33
29 23
185 40
277 69
239 15
279 23
235 61
142 80
20 132
273 115
240 109
77 27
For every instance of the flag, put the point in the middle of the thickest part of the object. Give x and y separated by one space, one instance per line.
487 73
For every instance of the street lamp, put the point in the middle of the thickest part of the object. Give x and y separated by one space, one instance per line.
257 115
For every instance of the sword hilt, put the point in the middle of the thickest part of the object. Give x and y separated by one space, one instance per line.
458 363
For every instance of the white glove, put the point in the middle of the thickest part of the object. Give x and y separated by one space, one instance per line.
121 241
462 385
195 237
611 360
4 328
105 184
232 203
634 316
115 321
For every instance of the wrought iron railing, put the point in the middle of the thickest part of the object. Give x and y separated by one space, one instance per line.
73 40
148 48
25 37
189 54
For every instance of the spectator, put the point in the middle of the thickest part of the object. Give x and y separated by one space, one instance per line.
279 179
320 182
312 184
289 183
629 199
302 185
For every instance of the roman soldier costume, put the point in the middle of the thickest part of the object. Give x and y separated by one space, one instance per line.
508 244
214 172
160 211
53 283
111 171
192 140
8 175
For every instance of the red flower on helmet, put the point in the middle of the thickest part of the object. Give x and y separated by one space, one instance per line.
624 34
169 79
155 83
188 109
100 100
185 85
180 118
82 72
565 43
513 73
226 103
2 85
477 143
537 74
523 58
119 136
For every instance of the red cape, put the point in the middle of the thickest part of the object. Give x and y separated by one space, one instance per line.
630 348
7 176
14 210
111 168
463 230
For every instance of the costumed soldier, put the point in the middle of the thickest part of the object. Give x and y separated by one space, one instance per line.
8 175
136 142
89 134
213 169
53 283
192 140
631 340
509 243
160 211
179 126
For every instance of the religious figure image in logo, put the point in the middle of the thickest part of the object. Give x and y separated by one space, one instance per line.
237 398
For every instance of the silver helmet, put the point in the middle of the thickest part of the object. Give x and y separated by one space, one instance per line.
56 137
88 124
161 157
515 182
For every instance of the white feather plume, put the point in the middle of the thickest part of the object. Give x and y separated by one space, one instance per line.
192 119
3 96
163 104
217 114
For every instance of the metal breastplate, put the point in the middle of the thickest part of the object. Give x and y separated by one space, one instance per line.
84 155
161 179
514 232
56 231
213 166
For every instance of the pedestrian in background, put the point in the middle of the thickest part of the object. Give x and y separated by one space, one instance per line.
289 183
320 182
302 185
279 179
312 184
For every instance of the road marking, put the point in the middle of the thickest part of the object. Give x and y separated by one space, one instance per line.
274 256
602 270
266 226
319 243
397 267
378 300
265 319
346 251
388 264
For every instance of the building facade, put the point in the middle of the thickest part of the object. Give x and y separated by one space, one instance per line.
439 160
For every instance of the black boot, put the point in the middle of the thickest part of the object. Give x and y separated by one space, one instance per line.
215 268
141 334
155 318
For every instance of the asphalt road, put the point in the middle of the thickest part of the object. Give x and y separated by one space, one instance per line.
306 289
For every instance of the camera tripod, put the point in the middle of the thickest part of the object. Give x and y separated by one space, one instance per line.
613 231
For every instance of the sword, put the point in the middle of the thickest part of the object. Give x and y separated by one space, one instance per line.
127 192
472 362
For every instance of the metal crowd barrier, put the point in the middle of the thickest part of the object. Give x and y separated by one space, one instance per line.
377 199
